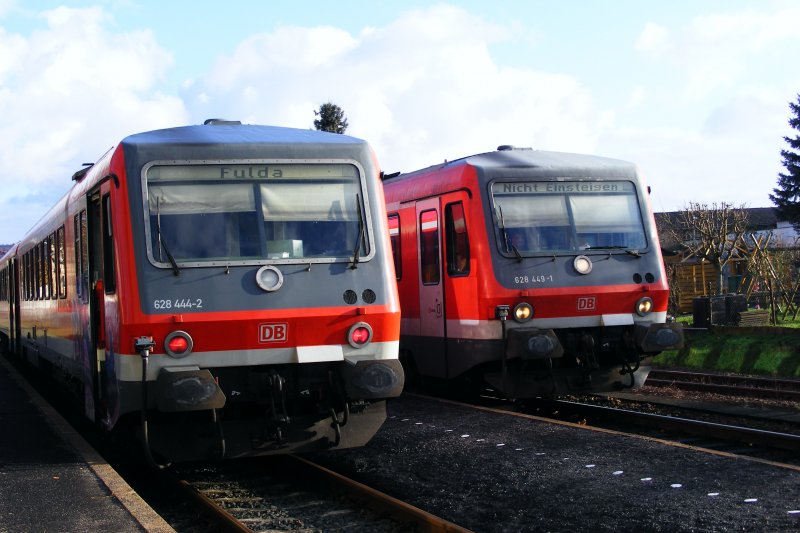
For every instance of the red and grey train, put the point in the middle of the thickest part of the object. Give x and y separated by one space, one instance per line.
223 289
535 273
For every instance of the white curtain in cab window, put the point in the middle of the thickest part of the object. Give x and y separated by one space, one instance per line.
193 199
309 201
609 214
524 211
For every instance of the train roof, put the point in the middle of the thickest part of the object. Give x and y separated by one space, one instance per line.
509 158
225 140
232 133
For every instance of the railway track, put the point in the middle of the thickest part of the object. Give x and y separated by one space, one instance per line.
704 433
732 385
294 494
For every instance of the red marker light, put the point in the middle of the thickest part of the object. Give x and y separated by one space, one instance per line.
178 344
359 335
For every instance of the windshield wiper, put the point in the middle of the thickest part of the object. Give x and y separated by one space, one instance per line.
510 246
357 250
162 243
630 251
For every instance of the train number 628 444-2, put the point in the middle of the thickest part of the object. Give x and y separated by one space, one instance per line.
180 303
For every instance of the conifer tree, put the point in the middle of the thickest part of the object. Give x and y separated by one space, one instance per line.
331 118
787 194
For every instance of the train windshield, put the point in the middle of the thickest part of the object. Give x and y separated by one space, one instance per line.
566 216
210 213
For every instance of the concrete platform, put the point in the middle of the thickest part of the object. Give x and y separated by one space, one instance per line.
51 479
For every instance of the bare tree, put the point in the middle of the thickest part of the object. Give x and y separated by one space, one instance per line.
710 233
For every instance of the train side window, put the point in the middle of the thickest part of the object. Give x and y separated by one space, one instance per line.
81 257
31 275
26 259
109 278
429 247
61 263
457 250
44 270
47 278
24 276
37 272
29 270
394 236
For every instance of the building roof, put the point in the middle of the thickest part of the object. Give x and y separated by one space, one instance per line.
759 219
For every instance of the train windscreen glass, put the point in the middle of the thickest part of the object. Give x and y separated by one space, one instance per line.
245 212
567 216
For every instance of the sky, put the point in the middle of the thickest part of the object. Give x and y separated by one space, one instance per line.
696 93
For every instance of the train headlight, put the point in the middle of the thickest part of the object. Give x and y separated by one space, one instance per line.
523 312
582 264
178 344
359 335
269 278
644 306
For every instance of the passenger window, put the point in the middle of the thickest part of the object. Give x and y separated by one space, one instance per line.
394 235
37 272
109 277
457 240
47 277
429 247
82 256
62 263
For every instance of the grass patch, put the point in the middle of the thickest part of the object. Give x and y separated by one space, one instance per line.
758 351
735 354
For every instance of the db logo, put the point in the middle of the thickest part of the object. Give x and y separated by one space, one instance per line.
273 332
587 303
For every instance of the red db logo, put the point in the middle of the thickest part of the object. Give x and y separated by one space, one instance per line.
273 332
587 303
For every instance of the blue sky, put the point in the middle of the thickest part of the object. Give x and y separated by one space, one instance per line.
695 92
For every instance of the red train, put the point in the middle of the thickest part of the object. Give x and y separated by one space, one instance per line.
223 289
537 273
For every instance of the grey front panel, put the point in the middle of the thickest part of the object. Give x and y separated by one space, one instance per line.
233 287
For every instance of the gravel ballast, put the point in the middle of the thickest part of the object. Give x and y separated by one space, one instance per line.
490 471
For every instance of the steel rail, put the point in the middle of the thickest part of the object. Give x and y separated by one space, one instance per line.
729 385
399 509
227 522
713 430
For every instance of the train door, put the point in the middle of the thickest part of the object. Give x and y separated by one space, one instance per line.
460 291
90 264
98 284
82 315
431 293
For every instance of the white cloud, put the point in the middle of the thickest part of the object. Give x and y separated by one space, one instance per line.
422 89
6 6
717 51
69 91
654 39
702 108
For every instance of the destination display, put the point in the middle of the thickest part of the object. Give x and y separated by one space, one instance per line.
562 187
255 171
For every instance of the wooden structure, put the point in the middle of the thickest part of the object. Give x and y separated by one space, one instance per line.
691 280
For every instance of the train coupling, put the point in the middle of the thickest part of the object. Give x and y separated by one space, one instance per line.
533 343
187 389
376 379
656 338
